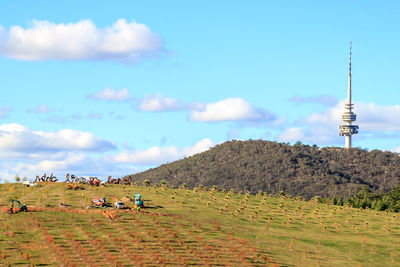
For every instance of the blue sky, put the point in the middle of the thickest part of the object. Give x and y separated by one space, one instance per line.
114 87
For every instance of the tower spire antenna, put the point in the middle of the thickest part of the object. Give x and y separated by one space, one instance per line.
350 60
349 86
347 130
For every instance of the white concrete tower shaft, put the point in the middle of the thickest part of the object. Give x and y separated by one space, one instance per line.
347 130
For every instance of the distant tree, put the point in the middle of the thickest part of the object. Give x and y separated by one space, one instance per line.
381 205
340 201
182 186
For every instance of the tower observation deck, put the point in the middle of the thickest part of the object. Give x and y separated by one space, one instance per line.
348 129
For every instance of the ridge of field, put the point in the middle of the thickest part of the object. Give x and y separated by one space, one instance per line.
183 227
298 170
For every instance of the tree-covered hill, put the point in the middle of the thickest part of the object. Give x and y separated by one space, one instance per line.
298 170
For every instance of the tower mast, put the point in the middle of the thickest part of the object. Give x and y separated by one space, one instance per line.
347 130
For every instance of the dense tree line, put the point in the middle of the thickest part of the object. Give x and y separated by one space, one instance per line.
366 199
297 170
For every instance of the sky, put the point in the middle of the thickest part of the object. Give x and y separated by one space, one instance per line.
99 88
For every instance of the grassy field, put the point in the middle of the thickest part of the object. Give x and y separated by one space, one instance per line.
183 227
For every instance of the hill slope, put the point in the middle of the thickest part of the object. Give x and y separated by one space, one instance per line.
272 167
180 227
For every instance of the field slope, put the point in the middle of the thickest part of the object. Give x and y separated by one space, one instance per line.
190 227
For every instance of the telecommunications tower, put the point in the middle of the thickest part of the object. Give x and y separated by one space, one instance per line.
347 129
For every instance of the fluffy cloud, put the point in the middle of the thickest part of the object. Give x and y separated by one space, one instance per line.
18 138
372 117
291 134
158 102
78 163
40 109
316 134
199 147
157 155
44 40
108 94
230 109
326 100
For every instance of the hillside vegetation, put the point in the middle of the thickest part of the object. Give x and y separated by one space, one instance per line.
182 227
271 167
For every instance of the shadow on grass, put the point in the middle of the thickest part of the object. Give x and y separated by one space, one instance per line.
153 207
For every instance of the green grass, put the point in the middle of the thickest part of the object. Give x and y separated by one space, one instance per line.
191 227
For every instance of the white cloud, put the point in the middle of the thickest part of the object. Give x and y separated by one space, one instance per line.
157 155
79 164
199 147
315 134
158 102
151 156
370 117
40 109
373 117
230 109
18 138
322 128
28 153
291 134
108 94
44 40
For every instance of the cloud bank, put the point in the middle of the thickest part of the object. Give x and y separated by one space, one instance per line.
18 138
157 155
28 153
230 109
322 128
83 40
